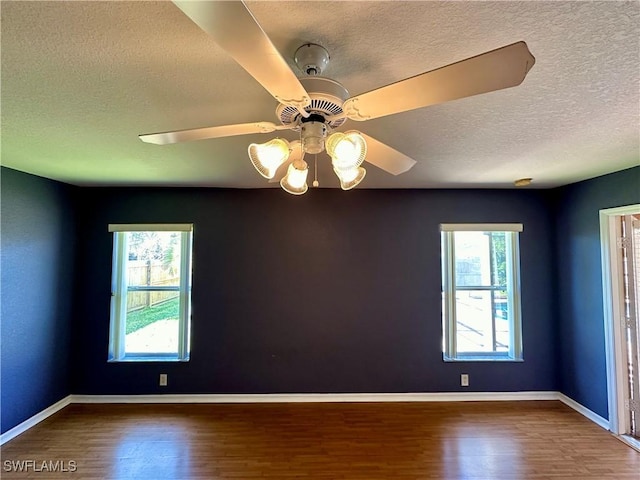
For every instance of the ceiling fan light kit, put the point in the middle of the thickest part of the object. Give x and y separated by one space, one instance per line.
267 157
312 133
347 150
351 177
316 107
295 181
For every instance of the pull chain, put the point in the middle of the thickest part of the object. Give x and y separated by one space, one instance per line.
315 182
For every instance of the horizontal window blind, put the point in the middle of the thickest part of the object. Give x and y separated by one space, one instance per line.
151 227
481 227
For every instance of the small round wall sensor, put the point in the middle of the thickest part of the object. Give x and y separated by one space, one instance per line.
522 182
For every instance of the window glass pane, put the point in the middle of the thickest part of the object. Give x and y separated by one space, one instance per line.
502 321
152 322
480 259
472 259
153 258
482 321
498 258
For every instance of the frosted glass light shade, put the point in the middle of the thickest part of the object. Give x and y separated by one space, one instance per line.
350 178
295 181
267 157
347 150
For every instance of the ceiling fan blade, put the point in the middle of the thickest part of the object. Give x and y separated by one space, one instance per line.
388 159
165 138
501 68
235 29
296 154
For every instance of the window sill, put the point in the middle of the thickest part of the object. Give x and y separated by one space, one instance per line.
147 359
478 358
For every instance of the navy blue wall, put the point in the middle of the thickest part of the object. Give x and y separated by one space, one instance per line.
38 235
579 296
329 292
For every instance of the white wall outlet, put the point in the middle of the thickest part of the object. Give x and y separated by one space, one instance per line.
464 379
163 379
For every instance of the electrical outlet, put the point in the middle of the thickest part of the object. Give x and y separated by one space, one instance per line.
464 380
163 379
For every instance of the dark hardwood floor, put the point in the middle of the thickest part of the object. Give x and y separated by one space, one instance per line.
365 441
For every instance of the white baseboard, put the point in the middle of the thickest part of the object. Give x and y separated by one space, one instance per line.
306 398
594 417
318 397
37 418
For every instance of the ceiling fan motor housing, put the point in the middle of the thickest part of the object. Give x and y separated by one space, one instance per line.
327 97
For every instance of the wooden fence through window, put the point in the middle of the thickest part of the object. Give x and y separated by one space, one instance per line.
143 273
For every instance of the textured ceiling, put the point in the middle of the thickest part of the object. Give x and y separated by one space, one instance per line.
80 81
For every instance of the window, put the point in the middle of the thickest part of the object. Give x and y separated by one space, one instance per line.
481 292
150 292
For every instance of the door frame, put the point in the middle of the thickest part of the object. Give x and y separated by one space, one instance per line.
611 292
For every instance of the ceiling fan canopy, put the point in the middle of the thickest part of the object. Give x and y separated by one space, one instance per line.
316 107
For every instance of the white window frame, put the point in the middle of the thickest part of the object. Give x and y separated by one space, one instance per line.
450 351
119 290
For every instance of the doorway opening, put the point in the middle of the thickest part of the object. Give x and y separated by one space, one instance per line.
620 238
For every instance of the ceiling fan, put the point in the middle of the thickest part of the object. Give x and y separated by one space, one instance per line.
316 106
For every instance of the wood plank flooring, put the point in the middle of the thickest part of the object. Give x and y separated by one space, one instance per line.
359 441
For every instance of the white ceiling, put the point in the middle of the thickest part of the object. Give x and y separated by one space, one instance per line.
80 81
